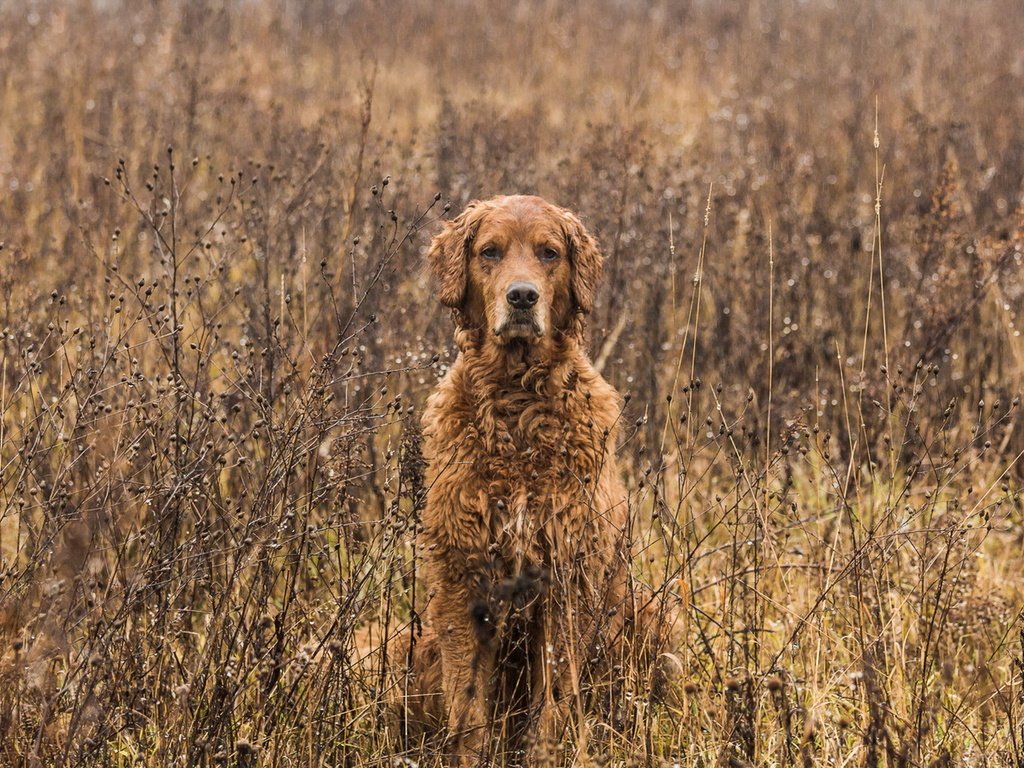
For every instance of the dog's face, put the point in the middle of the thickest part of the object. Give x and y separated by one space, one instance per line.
517 267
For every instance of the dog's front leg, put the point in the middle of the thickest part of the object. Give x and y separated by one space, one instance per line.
551 682
468 658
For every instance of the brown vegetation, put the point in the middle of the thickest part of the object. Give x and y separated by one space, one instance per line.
216 332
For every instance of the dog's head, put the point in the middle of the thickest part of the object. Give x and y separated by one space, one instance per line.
517 267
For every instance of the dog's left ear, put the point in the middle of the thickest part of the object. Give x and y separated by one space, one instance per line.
586 260
449 254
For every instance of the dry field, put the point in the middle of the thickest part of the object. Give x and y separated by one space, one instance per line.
216 336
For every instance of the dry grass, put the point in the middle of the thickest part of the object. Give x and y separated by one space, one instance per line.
216 334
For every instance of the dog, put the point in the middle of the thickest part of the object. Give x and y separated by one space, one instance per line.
524 534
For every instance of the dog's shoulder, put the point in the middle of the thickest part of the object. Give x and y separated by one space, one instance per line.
450 416
448 396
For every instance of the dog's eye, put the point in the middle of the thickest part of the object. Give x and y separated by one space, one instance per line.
549 254
490 253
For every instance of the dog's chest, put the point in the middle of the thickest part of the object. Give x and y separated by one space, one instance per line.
539 473
517 478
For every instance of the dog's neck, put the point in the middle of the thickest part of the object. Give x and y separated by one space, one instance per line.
539 369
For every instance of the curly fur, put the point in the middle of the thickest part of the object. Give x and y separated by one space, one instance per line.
523 534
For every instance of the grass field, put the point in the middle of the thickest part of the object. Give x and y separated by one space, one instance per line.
217 334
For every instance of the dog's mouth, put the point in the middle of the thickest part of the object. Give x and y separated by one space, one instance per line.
519 324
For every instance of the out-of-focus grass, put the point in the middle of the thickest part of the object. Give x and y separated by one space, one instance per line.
216 334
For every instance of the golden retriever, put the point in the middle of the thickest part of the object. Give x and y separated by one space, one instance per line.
524 532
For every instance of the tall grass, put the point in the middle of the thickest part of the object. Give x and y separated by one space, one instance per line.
216 334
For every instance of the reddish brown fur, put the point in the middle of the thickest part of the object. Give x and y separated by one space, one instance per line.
524 532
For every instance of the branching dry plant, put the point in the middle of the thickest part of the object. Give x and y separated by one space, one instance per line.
216 334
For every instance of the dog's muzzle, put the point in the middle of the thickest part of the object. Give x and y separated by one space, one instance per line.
521 317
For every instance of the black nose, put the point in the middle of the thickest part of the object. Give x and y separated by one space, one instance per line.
522 295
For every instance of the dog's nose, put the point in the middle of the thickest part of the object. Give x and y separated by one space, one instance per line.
522 295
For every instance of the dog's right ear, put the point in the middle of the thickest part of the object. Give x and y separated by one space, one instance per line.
449 254
587 261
